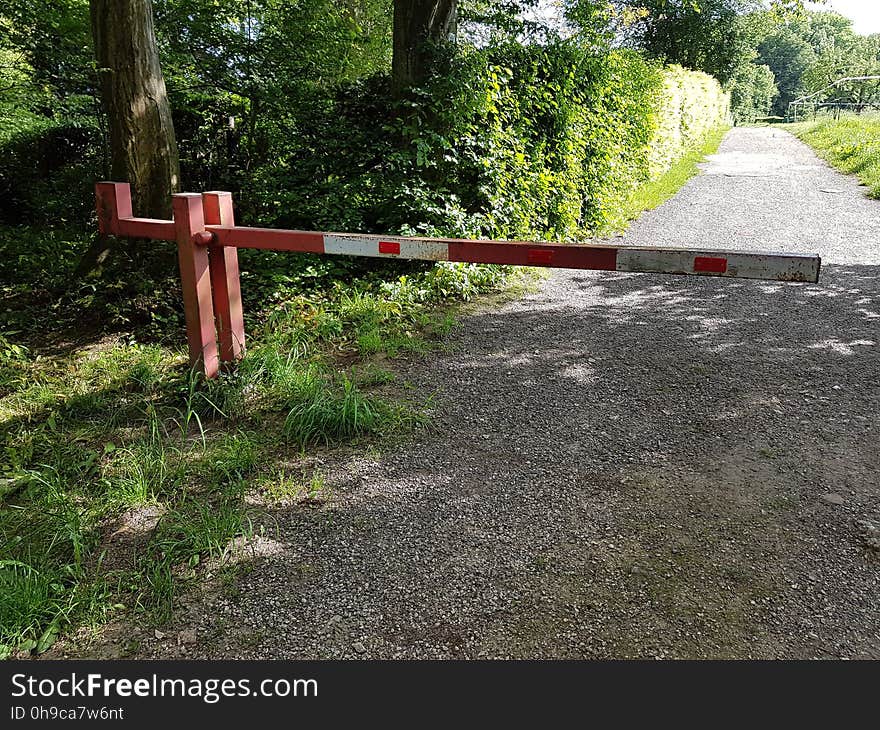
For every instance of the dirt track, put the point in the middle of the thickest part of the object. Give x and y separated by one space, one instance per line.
619 465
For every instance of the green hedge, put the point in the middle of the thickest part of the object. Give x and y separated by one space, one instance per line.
692 106
531 141
516 141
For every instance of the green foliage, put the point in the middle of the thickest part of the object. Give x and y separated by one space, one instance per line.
704 35
752 93
808 51
849 55
50 143
276 102
738 41
47 167
540 141
242 75
658 191
851 144
788 56
692 107
271 51
49 42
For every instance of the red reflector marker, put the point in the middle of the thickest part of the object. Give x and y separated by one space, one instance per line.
389 247
710 264
540 256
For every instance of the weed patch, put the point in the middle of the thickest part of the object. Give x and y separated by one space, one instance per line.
116 427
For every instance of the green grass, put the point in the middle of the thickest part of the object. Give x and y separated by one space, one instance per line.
115 426
332 413
281 486
656 192
851 144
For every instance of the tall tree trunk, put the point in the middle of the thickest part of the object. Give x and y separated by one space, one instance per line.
419 25
142 143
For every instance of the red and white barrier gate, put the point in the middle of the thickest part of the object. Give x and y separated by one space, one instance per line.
207 238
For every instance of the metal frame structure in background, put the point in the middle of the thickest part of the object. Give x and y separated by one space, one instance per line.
207 242
809 100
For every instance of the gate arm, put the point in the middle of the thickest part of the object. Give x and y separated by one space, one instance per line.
637 259
207 238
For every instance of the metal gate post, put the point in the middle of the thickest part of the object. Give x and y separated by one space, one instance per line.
189 223
225 281
207 242
113 202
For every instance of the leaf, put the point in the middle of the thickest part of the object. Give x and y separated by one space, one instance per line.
47 639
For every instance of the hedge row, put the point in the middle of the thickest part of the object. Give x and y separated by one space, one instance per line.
692 106
47 167
532 141
520 141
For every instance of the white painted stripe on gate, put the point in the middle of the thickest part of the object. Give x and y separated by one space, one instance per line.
740 264
369 246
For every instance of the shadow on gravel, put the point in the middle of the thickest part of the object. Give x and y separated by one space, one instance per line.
633 347
722 314
622 466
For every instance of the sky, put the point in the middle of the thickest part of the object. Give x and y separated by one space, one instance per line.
865 14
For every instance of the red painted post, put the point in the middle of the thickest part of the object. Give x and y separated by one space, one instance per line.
113 202
225 280
189 220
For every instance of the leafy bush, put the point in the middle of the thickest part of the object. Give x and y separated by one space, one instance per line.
536 141
47 167
691 107
510 141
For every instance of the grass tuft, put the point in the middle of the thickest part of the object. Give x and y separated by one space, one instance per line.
329 414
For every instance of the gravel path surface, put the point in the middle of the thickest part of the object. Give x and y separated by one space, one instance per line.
619 465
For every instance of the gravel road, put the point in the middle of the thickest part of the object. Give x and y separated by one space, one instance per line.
618 465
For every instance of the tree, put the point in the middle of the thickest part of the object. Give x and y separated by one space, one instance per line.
705 35
50 35
752 92
142 142
850 56
788 55
421 27
244 74
810 51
